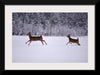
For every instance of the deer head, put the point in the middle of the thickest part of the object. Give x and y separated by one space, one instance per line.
68 35
28 33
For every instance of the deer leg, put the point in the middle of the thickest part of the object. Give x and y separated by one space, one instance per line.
78 43
44 41
27 41
67 43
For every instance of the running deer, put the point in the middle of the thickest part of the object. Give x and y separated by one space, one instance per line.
73 40
38 38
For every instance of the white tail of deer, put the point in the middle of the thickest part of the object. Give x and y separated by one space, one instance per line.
38 38
73 40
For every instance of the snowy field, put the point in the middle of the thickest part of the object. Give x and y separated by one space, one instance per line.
56 50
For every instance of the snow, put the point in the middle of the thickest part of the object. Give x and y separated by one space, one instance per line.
56 50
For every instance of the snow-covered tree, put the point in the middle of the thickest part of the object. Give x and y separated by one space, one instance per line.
50 24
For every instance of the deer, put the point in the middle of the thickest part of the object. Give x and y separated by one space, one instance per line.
71 40
38 38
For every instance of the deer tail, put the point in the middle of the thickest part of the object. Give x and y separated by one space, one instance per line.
78 39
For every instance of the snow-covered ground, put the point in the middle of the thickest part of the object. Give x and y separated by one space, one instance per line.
56 50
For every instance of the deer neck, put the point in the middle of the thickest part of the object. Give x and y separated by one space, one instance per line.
69 37
41 37
29 36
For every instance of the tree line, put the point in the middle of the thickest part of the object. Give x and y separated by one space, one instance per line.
50 24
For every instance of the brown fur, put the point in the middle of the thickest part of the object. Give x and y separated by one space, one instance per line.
73 40
38 38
